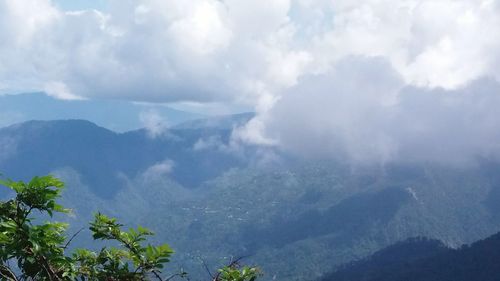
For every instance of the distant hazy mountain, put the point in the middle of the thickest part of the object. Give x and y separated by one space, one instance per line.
427 260
116 115
102 156
210 201
219 122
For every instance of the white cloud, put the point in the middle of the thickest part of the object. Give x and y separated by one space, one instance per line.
209 50
212 142
288 59
22 20
342 114
158 170
151 50
337 114
154 123
60 91
202 29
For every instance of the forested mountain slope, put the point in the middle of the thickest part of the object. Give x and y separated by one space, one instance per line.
297 219
101 156
427 260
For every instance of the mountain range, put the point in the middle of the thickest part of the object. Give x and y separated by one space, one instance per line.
297 219
120 116
420 259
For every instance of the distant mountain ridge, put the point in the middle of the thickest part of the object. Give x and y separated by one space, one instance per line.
220 122
101 155
297 219
115 115
426 260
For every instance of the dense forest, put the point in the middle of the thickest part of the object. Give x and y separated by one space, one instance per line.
421 259
296 219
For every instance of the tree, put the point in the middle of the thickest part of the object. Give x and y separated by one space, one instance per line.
33 250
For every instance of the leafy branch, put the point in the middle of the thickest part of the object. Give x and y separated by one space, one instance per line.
39 250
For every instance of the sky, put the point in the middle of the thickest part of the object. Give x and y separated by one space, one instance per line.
75 5
372 81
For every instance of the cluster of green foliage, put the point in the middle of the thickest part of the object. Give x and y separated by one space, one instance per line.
35 250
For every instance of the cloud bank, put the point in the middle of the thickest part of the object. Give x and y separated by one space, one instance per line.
343 114
154 123
372 80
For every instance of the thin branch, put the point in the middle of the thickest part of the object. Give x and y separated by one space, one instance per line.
5 276
157 275
206 268
172 276
48 271
25 217
73 237
180 274
137 269
6 270
236 261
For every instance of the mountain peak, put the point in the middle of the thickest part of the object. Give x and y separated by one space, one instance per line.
50 125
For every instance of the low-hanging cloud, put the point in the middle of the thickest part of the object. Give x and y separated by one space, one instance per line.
158 170
154 123
372 80
344 114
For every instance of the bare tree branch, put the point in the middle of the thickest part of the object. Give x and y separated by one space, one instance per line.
206 267
73 237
